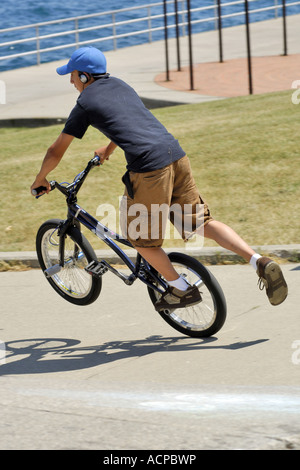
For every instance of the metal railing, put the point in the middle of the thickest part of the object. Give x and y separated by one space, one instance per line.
113 25
144 20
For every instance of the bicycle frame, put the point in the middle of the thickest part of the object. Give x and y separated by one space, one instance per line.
77 215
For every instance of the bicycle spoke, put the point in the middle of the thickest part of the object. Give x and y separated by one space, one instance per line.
71 278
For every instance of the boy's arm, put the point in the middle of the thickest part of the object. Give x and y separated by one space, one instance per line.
52 158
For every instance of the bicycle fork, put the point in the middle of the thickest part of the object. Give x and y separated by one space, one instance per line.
61 232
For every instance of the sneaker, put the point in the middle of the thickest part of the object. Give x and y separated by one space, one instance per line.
271 277
175 298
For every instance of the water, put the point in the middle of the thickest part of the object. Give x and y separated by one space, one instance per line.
27 12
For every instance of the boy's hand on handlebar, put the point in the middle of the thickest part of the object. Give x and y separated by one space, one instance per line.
102 152
105 152
38 184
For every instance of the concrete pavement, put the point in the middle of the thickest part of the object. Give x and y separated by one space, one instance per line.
114 375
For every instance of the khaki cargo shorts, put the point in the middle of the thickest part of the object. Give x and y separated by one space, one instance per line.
159 195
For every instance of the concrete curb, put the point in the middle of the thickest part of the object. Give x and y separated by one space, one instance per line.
283 253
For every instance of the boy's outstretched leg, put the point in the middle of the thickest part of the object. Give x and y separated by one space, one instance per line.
269 272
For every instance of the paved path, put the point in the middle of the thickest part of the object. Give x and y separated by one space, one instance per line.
115 376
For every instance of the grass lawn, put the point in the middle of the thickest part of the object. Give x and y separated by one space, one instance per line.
244 154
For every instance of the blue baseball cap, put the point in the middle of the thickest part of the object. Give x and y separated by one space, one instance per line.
85 59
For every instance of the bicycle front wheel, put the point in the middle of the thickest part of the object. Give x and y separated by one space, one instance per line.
72 282
208 316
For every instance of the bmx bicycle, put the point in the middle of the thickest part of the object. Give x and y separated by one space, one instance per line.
71 266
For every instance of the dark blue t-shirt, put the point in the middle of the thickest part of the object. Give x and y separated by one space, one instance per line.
115 109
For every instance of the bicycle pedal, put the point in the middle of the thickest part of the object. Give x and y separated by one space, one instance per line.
96 268
52 270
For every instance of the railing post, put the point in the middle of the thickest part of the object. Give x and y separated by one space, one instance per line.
190 45
248 47
177 37
276 9
284 27
149 24
166 41
216 13
183 18
114 31
76 33
220 31
38 58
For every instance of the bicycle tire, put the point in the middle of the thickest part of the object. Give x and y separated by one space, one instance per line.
72 282
207 317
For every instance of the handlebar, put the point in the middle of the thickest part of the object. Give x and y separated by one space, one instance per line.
66 190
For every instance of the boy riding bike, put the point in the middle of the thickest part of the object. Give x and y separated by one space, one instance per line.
158 172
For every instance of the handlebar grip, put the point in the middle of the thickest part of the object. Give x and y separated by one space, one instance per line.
38 190
96 160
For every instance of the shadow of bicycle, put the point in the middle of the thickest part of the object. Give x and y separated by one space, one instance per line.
48 355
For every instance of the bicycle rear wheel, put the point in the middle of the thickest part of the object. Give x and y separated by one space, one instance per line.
207 317
72 282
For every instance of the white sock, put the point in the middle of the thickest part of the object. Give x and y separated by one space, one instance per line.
179 283
254 259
